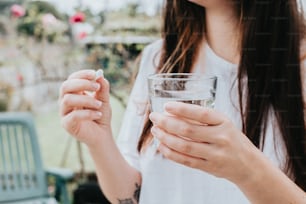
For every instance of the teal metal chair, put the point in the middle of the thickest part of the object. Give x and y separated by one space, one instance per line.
22 176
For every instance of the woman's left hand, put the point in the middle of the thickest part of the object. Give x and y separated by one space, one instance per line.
204 139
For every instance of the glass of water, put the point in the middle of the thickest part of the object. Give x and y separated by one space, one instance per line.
189 88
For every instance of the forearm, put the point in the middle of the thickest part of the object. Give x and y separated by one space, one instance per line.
118 180
268 184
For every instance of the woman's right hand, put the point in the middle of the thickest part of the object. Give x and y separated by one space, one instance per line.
86 116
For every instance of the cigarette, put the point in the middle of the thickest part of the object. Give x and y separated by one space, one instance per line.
99 73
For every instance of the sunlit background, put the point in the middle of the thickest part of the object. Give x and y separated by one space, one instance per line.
42 42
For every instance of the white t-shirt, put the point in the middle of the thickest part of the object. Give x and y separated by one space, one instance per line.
166 182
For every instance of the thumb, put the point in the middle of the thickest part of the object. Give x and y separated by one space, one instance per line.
103 93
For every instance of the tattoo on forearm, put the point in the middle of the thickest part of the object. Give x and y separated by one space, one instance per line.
137 192
135 196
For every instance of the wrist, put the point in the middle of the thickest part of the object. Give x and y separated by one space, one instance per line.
101 140
253 166
254 170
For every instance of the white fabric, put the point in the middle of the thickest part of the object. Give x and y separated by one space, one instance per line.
166 182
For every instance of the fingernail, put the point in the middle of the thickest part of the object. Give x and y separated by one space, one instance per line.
99 73
153 117
154 130
96 86
168 106
98 113
98 104
157 135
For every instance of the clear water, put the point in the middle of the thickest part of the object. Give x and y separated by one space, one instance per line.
157 103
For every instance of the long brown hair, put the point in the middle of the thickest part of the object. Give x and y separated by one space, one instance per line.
271 37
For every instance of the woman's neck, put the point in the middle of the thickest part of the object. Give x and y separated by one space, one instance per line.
223 33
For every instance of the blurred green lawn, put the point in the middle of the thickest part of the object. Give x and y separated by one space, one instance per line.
54 139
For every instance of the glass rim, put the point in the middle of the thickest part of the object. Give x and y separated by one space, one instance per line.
167 76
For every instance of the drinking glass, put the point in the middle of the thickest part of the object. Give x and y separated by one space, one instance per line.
189 88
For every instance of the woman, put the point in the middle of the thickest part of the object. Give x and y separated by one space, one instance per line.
250 148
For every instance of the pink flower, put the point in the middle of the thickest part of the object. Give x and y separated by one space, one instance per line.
48 19
17 11
77 18
19 77
82 35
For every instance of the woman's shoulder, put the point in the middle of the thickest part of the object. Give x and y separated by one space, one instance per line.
155 45
150 57
153 48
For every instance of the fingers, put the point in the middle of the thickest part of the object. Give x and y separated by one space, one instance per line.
194 112
88 74
184 146
175 126
72 91
103 93
183 159
79 81
71 102
77 86
85 80
72 120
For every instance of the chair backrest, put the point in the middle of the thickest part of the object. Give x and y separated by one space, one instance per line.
21 170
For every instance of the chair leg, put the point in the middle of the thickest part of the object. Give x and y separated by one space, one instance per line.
61 192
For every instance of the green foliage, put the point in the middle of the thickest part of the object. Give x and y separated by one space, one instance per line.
117 60
2 29
131 9
31 24
40 7
3 105
5 96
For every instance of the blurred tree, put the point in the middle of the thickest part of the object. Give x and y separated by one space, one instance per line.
33 22
5 95
119 61
37 46
3 30
45 7
131 9
54 56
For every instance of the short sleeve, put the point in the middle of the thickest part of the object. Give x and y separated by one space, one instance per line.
133 121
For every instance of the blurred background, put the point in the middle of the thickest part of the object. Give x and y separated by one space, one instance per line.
42 42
